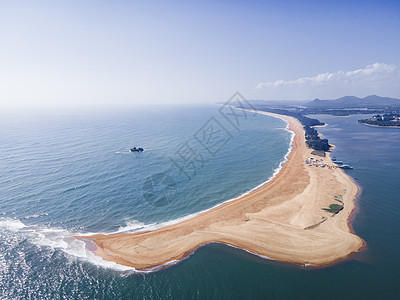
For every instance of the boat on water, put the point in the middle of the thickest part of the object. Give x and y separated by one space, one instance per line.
346 167
134 149
338 162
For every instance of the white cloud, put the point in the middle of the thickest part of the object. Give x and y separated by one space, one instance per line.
377 78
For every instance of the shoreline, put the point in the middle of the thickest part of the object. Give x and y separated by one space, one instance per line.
371 125
319 126
261 221
193 215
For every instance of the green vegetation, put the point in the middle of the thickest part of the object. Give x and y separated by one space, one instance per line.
333 208
341 112
312 139
345 106
384 120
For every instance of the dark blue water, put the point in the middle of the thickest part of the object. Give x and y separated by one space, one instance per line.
64 174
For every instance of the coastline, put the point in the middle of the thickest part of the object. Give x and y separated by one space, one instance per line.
319 126
371 125
269 221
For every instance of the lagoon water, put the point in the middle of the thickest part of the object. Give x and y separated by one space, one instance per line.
64 174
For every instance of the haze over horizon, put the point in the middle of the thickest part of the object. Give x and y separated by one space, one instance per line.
97 53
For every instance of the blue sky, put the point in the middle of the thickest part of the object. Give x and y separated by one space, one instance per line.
85 53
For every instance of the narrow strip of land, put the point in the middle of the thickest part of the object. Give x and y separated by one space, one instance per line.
283 220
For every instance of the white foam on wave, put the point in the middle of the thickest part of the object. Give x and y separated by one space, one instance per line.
134 226
11 224
308 265
123 152
36 216
57 238
131 226
63 239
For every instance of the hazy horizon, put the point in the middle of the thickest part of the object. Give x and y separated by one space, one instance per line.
122 54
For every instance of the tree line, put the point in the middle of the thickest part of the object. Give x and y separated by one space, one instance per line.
312 139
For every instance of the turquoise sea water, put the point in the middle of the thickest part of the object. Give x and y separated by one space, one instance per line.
65 174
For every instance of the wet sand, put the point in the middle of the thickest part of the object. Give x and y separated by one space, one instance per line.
282 220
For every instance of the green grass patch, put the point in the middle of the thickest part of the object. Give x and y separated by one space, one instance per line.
333 208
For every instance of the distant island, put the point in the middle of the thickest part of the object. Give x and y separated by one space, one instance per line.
387 120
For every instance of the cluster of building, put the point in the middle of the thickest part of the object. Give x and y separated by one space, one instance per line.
388 117
395 119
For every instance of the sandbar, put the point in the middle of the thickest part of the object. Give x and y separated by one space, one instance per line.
282 220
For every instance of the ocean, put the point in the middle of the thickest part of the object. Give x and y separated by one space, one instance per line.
65 174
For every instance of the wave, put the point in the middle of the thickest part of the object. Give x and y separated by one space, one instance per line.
36 216
123 152
135 226
62 239
11 224
131 226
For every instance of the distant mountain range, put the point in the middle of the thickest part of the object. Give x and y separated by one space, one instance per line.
371 101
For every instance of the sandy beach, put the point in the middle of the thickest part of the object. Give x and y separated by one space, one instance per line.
283 220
